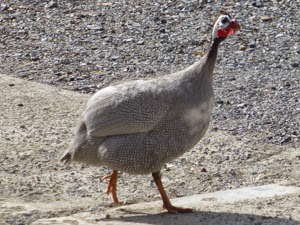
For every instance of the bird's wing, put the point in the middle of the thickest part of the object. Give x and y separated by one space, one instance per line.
127 108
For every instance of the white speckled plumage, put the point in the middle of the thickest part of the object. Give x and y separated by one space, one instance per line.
137 126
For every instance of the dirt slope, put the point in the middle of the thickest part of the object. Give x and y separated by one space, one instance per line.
37 122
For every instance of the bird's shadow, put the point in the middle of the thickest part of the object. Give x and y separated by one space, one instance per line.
198 218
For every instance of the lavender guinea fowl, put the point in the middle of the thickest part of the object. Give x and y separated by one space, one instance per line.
138 126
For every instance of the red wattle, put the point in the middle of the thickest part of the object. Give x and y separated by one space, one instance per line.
222 32
232 31
225 32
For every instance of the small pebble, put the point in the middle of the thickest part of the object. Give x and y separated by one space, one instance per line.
286 140
242 47
51 5
4 7
115 57
203 169
94 27
266 18
252 45
140 42
257 4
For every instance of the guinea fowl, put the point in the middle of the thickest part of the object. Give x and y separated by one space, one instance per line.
138 126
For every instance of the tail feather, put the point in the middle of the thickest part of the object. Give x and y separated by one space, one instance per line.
66 158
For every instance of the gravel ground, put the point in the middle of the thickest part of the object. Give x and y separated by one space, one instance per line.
85 45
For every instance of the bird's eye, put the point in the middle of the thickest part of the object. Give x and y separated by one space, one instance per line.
225 20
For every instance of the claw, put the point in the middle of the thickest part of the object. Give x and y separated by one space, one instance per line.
167 204
112 186
175 210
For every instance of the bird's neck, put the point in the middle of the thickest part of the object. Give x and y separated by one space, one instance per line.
211 55
209 60
213 52
201 73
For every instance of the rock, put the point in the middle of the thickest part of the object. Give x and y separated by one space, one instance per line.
94 27
141 42
114 57
242 47
200 53
203 169
252 44
163 21
285 140
51 5
266 18
257 3
128 40
4 7
260 177
106 3
162 30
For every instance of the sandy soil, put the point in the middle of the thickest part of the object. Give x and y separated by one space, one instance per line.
37 123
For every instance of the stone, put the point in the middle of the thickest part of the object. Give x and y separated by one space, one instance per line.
242 47
266 18
51 5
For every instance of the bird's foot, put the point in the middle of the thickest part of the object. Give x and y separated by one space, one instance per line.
175 210
112 186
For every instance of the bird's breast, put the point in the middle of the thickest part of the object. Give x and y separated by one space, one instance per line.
198 118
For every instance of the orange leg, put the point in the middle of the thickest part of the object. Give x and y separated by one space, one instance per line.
167 204
112 186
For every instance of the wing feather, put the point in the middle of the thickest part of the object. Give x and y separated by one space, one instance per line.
131 107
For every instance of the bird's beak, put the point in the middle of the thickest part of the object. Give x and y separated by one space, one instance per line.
234 26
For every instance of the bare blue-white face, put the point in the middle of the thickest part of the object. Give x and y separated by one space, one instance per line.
224 26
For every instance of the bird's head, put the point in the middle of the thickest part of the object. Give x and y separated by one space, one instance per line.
225 26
